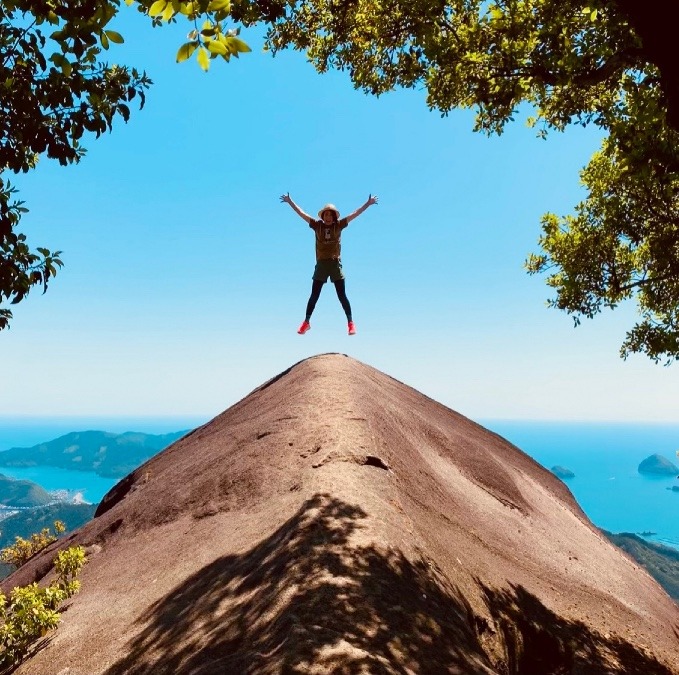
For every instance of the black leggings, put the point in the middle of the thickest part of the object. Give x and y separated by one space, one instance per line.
317 287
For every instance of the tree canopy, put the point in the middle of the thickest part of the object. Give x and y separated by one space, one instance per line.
573 61
53 89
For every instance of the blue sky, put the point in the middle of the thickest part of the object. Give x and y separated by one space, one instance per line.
185 278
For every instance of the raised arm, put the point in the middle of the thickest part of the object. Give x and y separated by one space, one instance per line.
369 202
288 200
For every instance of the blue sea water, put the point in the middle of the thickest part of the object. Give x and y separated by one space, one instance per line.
84 486
25 432
604 458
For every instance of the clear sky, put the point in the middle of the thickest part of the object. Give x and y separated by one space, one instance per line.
185 278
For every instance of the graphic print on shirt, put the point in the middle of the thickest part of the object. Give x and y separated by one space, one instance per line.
328 238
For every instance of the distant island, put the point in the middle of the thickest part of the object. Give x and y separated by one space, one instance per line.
657 465
22 494
562 472
108 455
26 508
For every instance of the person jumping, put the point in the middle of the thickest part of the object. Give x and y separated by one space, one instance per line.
328 231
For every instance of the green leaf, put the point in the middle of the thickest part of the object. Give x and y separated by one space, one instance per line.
169 12
113 36
104 40
217 5
204 59
158 7
187 8
217 47
57 59
236 45
185 51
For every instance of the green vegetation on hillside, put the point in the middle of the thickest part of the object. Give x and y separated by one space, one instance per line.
32 611
109 455
22 493
23 549
24 523
661 562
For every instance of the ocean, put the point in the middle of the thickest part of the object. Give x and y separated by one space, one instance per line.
603 456
25 432
605 459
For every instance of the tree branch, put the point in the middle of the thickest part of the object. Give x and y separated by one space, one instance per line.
646 281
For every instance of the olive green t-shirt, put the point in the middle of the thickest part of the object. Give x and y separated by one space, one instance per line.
328 238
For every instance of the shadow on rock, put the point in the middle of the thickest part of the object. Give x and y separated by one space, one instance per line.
537 641
304 599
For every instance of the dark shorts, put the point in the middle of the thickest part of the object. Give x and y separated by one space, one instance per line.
328 268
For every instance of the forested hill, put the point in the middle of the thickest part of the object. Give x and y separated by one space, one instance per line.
109 455
22 493
661 562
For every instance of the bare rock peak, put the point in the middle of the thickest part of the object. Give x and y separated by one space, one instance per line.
336 520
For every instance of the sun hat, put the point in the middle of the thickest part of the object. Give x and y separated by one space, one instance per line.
329 207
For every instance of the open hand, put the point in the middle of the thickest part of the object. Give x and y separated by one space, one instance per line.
372 200
286 198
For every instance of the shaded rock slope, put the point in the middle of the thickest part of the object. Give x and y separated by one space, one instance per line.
338 521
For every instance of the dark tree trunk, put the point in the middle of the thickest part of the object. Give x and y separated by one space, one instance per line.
656 22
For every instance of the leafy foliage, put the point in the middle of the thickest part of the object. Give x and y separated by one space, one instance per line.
623 241
573 62
53 89
24 549
32 611
209 38
20 268
26 521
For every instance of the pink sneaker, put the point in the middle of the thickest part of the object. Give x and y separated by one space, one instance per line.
352 328
304 327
